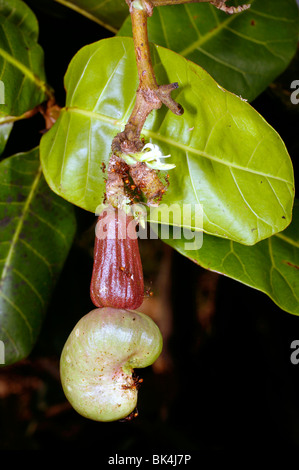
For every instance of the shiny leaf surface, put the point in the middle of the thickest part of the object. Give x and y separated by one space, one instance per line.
271 266
227 157
37 229
21 60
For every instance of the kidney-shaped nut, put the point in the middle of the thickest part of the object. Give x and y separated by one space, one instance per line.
98 361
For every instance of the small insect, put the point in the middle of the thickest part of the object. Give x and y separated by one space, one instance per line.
103 167
167 180
148 292
131 416
137 381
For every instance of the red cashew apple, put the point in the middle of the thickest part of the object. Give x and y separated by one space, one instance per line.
117 276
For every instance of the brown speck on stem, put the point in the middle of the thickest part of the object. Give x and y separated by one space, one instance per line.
115 188
148 181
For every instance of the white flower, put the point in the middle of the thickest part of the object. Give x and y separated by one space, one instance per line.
151 157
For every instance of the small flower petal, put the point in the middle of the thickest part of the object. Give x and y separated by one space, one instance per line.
150 153
160 166
129 159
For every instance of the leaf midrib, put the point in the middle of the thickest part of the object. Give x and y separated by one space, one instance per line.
216 30
27 72
154 135
205 38
21 223
287 239
87 14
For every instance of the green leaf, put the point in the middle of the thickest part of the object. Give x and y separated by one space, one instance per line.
23 83
243 52
227 157
108 13
19 14
37 229
271 266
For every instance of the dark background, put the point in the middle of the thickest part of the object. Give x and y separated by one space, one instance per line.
225 379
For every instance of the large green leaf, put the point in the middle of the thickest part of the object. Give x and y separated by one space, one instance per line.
108 13
37 229
243 52
19 14
227 157
22 73
271 266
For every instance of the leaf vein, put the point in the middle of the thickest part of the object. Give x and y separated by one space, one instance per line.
38 254
17 309
52 227
19 227
30 285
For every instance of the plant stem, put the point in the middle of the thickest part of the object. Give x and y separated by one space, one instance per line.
220 4
145 69
149 96
160 3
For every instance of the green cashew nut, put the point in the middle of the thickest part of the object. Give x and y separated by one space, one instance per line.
98 358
